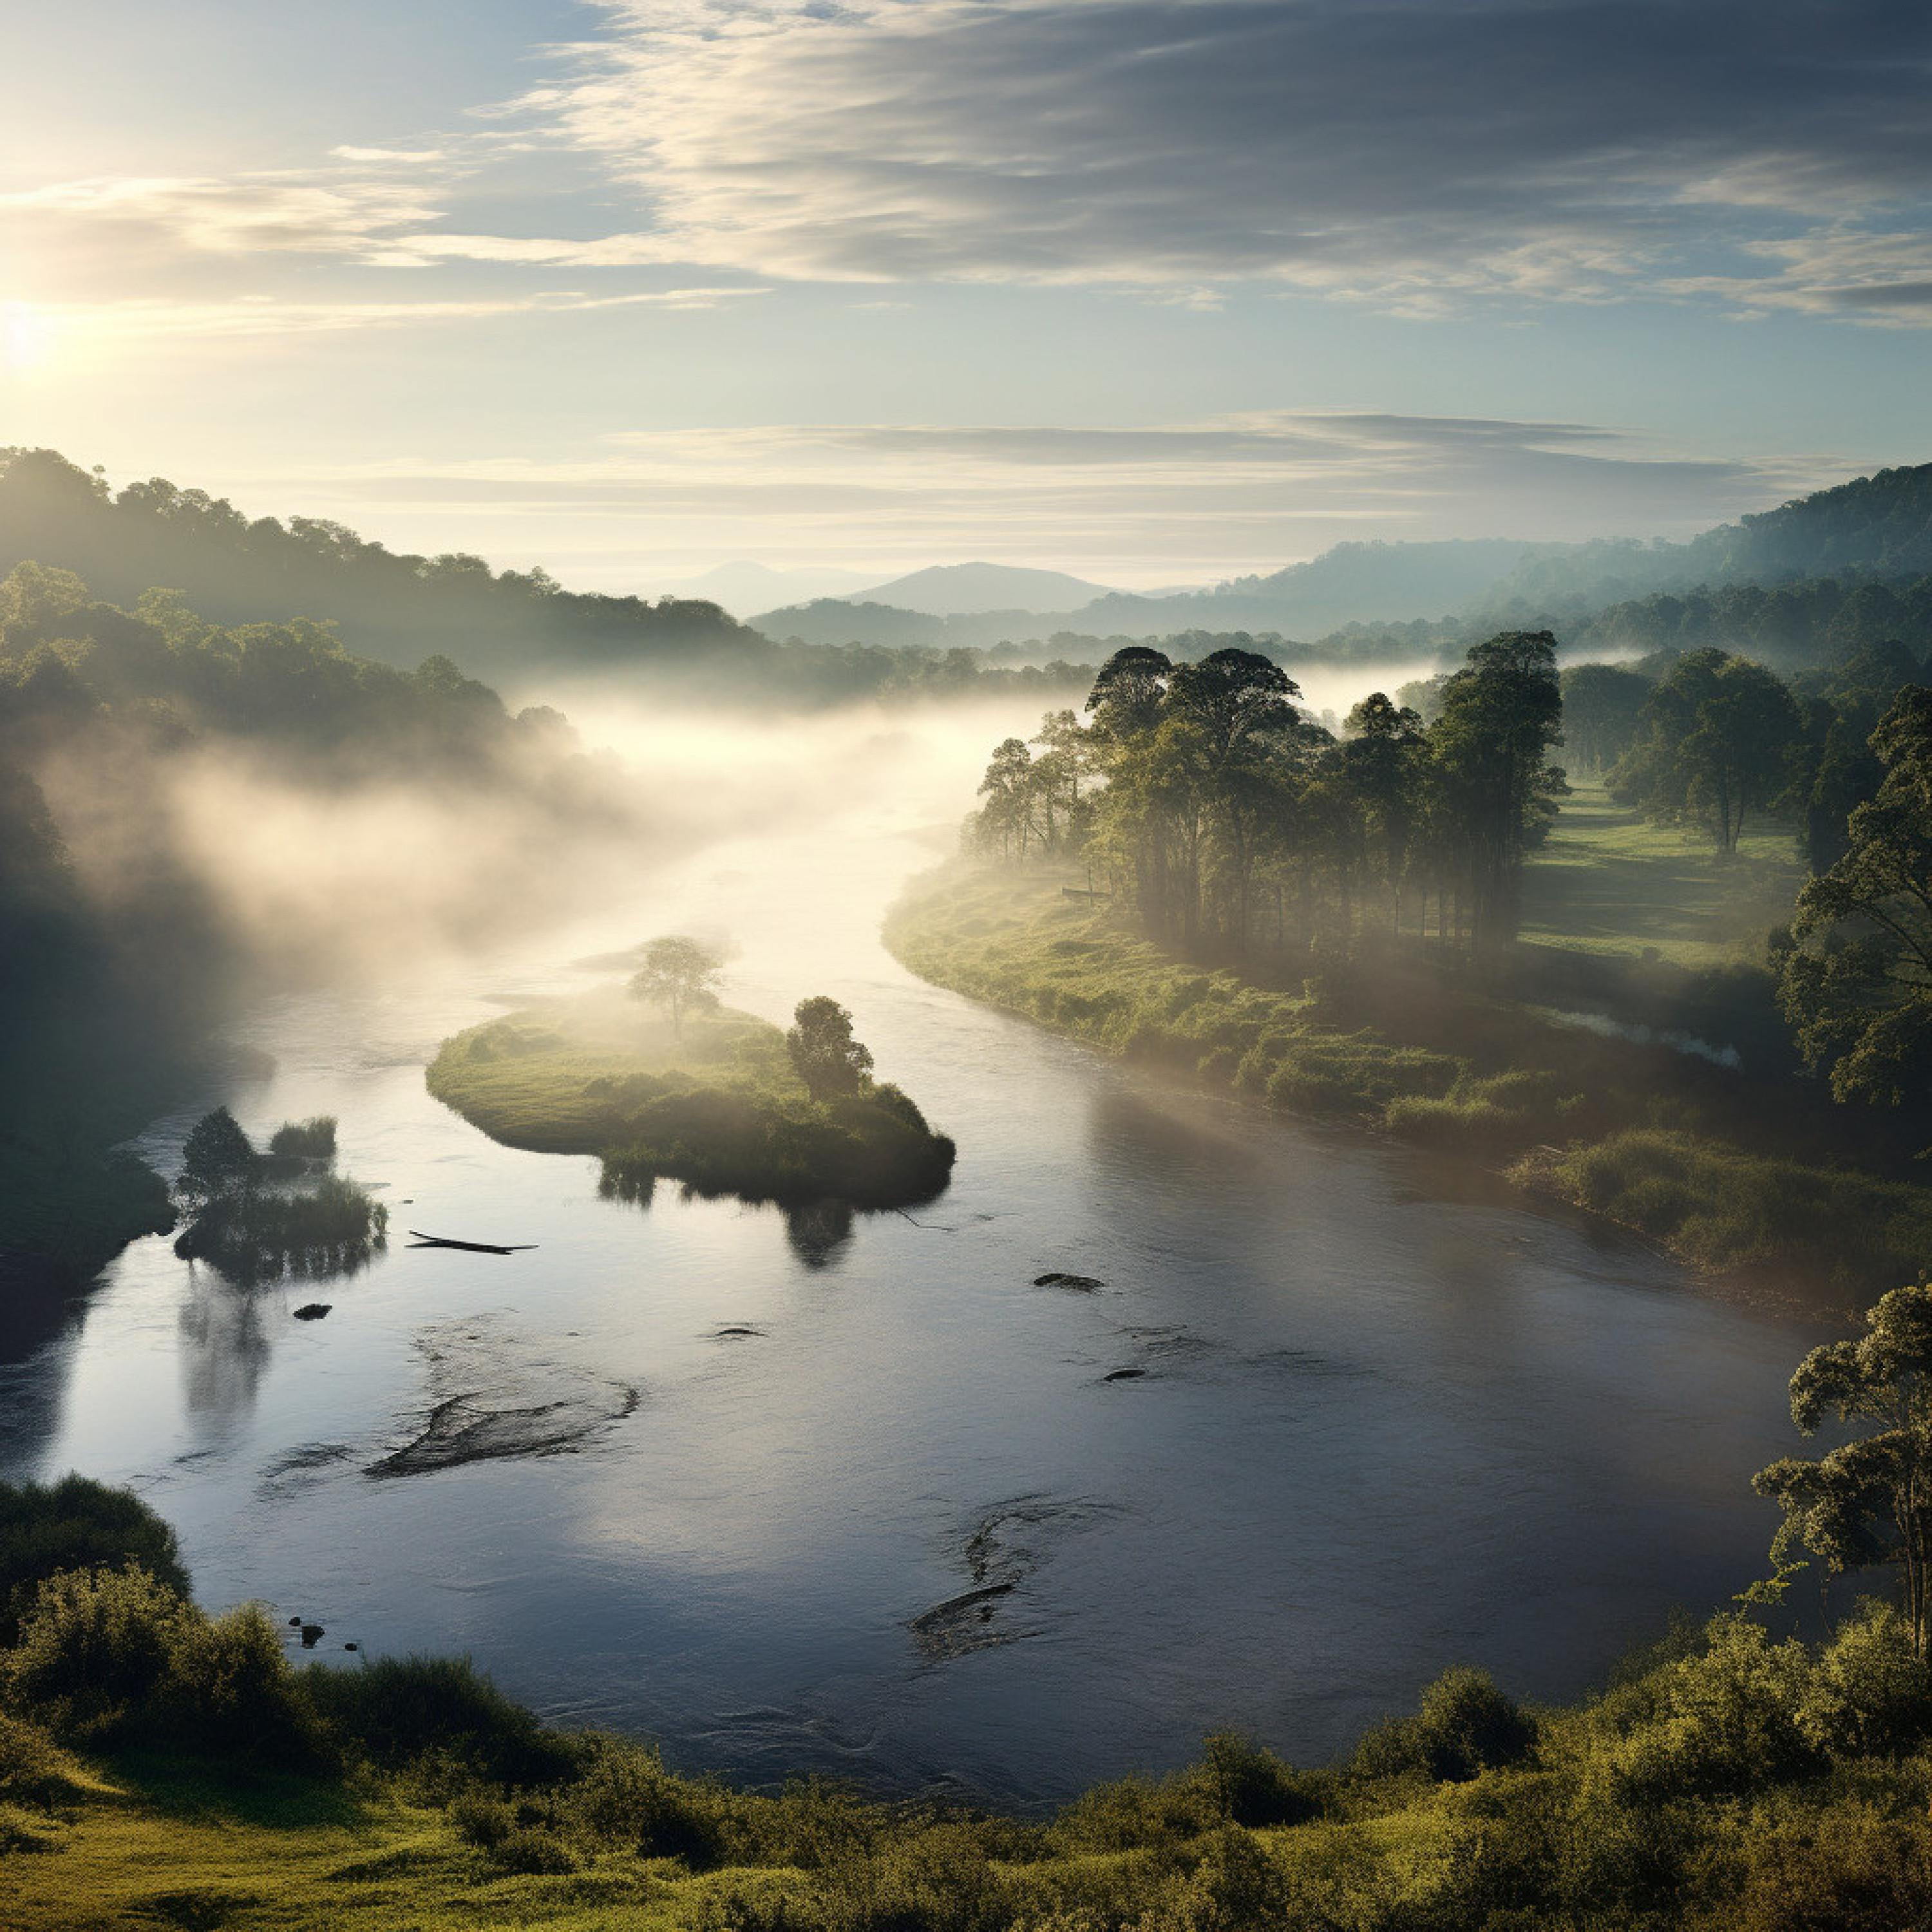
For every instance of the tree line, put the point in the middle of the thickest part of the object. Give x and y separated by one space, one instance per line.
1235 824
1203 798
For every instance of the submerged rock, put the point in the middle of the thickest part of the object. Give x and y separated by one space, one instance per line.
493 1394
1123 1375
962 1624
313 1311
1086 1283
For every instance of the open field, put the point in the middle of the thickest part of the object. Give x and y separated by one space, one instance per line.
1607 882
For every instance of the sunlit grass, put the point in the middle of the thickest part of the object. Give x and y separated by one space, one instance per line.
1608 881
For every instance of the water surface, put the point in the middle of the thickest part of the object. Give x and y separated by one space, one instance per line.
1380 1426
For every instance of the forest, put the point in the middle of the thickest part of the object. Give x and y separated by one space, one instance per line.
1336 922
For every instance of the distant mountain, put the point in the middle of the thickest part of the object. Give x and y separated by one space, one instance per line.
1353 583
962 590
743 587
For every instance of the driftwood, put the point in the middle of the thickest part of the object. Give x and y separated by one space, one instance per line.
419 1239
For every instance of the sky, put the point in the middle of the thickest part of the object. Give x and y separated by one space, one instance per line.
1154 291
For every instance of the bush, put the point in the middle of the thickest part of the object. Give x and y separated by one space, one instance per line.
1247 1785
312 1139
75 1524
398 1710
1463 1726
94 1652
230 1682
1869 1695
626 1797
1721 1721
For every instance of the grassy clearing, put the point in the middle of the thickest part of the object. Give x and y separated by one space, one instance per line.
1608 882
1679 1149
717 1106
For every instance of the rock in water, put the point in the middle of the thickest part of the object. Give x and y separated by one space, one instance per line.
313 1311
1086 1283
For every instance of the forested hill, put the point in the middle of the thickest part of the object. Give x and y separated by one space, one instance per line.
397 609
1877 528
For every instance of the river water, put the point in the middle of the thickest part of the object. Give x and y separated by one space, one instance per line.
1388 1419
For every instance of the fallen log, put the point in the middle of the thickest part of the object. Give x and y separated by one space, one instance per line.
419 1239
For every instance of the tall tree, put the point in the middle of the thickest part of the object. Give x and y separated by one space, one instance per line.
827 1058
1501 715
1855 971
1719 733
680 974
1868 1503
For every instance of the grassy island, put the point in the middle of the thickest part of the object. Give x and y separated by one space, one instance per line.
715 1103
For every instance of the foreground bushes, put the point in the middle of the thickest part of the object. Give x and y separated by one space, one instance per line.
1732 1780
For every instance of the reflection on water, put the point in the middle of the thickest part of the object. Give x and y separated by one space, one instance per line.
223 1348
815 1492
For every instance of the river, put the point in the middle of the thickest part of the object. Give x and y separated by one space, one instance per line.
1388 1419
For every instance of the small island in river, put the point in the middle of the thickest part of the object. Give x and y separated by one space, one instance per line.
716 1100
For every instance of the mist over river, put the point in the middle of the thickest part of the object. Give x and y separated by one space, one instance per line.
908 1530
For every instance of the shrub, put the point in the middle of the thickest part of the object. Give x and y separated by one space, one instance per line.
1720 1721
1869 1695
1247 1785
75 1524
95 1651
230 1682
398 1710
296 1142
624 1797
1463 1726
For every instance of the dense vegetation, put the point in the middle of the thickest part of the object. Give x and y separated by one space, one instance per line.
711 1097
159 1764
257 1217
116 956
1235 826
400 609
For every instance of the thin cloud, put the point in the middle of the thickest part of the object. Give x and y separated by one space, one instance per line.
1417 153
1150 504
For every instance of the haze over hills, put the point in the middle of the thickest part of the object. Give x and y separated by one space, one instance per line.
742 587
958 589
510 626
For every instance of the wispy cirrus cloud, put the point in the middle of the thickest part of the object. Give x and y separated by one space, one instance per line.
1416 153
1420 155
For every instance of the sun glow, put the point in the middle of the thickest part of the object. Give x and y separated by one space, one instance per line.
28 336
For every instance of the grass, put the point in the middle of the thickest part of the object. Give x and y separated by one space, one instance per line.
1608 882
1722 1783
1735 1176
718 1105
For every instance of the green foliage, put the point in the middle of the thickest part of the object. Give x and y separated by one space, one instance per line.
77 1524
824 1053
1722 1207
1856 968
1464 1726
304 1140
1717 738
719 1105
394 1711
217 1160
95 1651
1862 1504
331 1228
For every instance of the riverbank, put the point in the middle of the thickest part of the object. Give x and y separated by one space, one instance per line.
161 1766
1713 1165
717 1105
